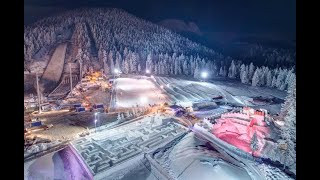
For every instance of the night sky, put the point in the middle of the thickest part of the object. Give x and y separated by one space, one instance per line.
241 16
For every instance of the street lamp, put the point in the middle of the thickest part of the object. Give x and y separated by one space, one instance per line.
95 125
95 121
204 75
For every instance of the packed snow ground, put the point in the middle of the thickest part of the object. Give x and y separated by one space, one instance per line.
191 159
62 164
133 91
40 168
184 92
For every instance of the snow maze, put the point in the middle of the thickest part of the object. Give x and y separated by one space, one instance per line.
105 150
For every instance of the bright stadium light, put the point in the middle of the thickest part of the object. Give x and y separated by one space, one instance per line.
204 74
143 99
147 71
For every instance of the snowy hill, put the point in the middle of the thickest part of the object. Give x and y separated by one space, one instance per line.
94 30
109 39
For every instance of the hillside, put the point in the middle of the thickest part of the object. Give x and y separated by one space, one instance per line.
94 30
109 39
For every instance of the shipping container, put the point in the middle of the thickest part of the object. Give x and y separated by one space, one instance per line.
80 109
96 106
77 105
37 123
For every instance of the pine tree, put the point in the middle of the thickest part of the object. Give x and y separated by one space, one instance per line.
118 60
274 82
221 71
242 69
133 62
251 70
256 78
254 143
149 63
288 132
280 84
176 67
196 72
185 67
269 79
125 66
244 77
110 59
232 70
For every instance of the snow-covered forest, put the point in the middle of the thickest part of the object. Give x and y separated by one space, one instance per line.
288 131
107 38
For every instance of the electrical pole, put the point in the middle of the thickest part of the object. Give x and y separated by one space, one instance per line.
38 92
80 71
70 79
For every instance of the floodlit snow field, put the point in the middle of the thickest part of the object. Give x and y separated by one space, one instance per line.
184 92
142 92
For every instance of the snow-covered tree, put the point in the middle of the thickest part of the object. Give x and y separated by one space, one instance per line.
118 61
269 79
185 68
105 64
280 84
242 69
256 78
133 62
110 59
232 70
244 77
196 72
244 74
288 132
125 66
254 143
221 71
149 63
274 82
251 70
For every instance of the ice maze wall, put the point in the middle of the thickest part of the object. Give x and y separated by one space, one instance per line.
102 154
